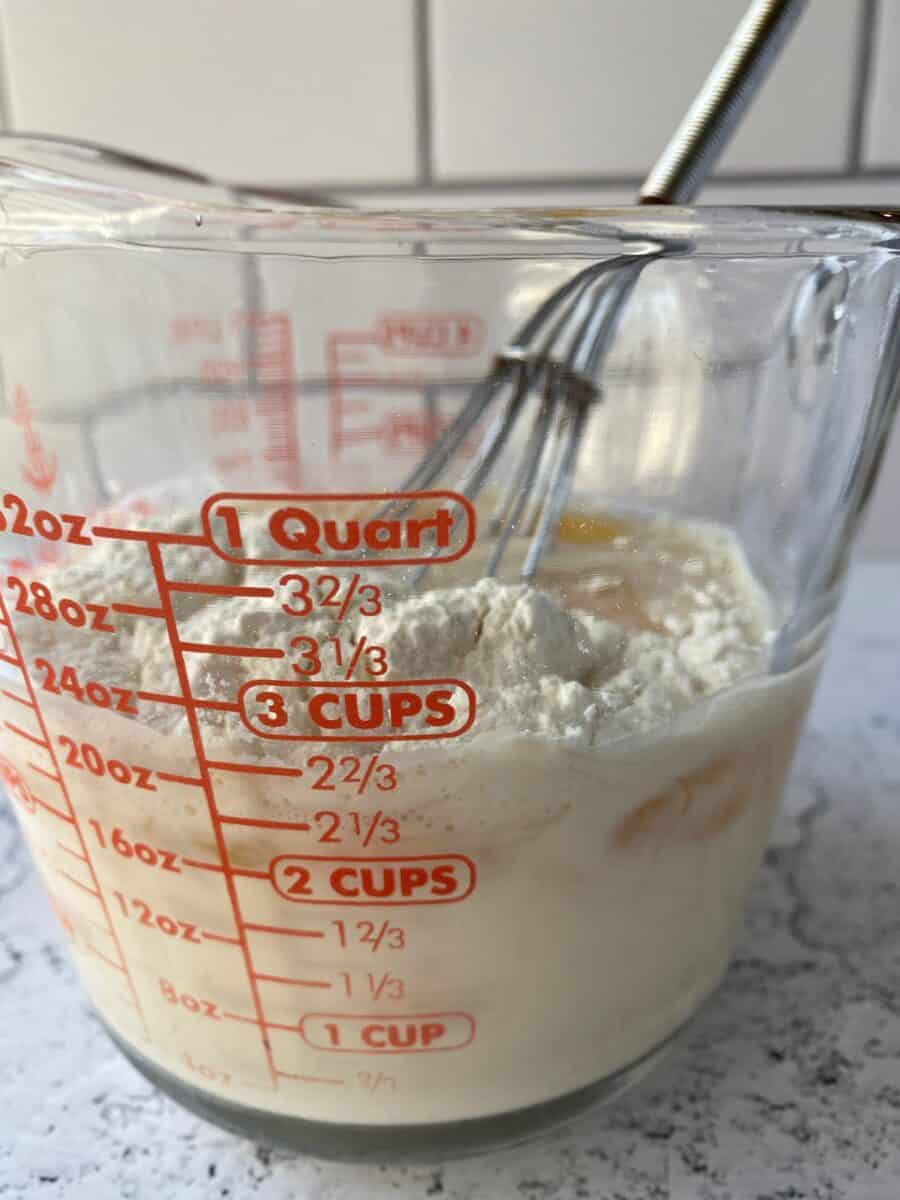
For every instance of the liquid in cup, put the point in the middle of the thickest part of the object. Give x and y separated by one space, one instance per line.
382 871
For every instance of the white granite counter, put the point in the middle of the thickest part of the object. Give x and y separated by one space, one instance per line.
786 1088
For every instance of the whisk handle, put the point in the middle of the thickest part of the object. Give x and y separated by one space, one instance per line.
681 169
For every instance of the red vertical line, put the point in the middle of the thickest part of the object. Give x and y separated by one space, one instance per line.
335 397
194 725
63 787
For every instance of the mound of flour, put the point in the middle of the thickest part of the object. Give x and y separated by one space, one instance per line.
536 667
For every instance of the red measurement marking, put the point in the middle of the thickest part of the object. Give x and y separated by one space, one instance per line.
333 706
201 866
8 658
137 610
246 768
300 537
350 593
22 733
18 699
71 812
220 937
156 562
185 779
392 880
312 983
313 933
56 812
103 958
84 887
159 698
374 1033
216 589
41 771
373 825
216 705
258 823
309 1078
69 850
237 651
151 537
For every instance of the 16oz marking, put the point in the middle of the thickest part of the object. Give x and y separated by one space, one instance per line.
150 856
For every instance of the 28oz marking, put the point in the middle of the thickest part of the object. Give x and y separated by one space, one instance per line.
36 600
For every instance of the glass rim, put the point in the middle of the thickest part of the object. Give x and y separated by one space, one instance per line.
130 194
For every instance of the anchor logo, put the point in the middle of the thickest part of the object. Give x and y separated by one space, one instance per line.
39 468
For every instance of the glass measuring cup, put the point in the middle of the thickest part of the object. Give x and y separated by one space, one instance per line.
342 867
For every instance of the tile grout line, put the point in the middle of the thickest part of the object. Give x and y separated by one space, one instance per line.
6 107
422 53
862 84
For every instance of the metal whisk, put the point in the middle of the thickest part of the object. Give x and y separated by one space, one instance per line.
557 355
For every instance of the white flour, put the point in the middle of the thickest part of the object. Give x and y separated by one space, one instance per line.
613 795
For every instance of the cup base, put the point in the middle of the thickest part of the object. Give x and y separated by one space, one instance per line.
395 1144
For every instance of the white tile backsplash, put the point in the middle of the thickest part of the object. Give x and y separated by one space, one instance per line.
298 92
579 88
882 133
285 91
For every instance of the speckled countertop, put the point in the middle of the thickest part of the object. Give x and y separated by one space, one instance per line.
786 1088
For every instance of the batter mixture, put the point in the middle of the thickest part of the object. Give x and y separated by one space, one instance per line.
476 924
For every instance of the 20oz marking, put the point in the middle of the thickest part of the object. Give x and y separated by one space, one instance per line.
41 604
86 757
146 916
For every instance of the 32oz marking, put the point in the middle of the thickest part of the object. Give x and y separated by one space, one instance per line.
67 527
